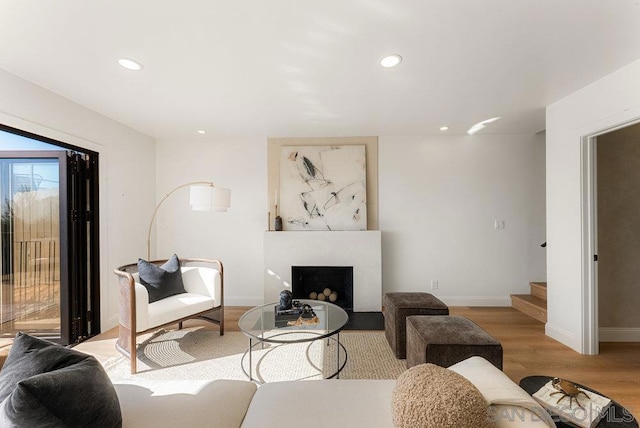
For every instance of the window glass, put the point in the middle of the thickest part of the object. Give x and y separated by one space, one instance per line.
10 141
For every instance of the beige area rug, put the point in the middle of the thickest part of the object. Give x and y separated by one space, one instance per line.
204 354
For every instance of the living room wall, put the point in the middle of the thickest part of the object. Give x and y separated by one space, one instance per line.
127 176
438 199
600 107
234 237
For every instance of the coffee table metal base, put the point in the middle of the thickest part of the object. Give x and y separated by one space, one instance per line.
270 339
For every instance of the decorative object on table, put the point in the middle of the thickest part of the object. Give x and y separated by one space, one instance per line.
299 314
567 389
277 221
286 300
203 196
323 187
278 224
558 396
304 321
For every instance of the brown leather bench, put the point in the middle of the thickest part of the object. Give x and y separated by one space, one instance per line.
398 306
447 340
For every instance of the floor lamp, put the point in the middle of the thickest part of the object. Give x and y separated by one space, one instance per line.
203 196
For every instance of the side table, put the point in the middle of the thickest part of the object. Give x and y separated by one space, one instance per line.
616 415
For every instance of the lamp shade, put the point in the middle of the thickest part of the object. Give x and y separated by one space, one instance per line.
209 198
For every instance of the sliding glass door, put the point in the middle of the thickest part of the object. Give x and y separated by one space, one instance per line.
31 245
49 245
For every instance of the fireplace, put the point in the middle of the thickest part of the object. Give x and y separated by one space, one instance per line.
360 249
307 282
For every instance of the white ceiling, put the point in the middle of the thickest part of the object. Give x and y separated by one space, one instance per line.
282 68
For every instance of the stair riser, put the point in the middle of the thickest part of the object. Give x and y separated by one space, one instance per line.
538 290
531 310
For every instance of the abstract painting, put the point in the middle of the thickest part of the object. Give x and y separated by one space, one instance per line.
323 187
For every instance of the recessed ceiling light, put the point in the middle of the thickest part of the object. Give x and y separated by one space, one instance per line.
391 61
130 64
481 125
444 128
201 132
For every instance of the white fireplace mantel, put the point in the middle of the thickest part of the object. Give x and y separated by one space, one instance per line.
360 249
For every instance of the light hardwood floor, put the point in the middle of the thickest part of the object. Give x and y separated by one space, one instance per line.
527 351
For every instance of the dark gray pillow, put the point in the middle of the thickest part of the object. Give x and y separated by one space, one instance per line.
161 281
47 385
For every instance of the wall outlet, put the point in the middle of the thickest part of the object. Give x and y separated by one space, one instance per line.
434 284
498 224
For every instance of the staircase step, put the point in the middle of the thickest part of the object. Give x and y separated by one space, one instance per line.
533 306
539 289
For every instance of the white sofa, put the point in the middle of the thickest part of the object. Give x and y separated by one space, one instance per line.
311 404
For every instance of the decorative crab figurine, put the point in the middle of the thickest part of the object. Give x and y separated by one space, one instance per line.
567 389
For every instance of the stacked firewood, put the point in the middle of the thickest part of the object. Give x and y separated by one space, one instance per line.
326 294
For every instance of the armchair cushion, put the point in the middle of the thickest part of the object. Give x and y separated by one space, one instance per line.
47 385
161 281
174 308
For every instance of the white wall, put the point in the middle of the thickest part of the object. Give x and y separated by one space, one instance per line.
439 198
127 175
607 103
235 237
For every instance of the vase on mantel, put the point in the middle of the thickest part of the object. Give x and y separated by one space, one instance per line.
278 223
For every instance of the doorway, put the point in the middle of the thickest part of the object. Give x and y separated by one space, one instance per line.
48 242
611 244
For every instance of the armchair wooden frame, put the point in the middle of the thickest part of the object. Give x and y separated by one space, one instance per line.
127 332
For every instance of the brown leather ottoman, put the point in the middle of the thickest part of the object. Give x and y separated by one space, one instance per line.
448 340
398 306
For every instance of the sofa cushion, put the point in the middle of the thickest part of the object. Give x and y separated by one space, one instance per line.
321 404
431 396
150 403
47 385
161 281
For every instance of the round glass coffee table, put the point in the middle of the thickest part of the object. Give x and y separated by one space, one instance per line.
260 325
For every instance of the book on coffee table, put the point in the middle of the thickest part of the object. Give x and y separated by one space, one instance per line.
586 415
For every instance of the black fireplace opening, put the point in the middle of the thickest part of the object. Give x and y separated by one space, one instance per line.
334 283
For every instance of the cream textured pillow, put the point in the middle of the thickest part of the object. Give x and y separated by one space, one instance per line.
427 396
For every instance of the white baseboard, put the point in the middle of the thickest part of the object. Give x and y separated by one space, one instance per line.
563 336
618 334
476 300
111 322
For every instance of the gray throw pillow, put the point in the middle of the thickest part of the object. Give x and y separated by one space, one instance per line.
47 385
161 281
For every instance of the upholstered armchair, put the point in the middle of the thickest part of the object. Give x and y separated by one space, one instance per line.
204 299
